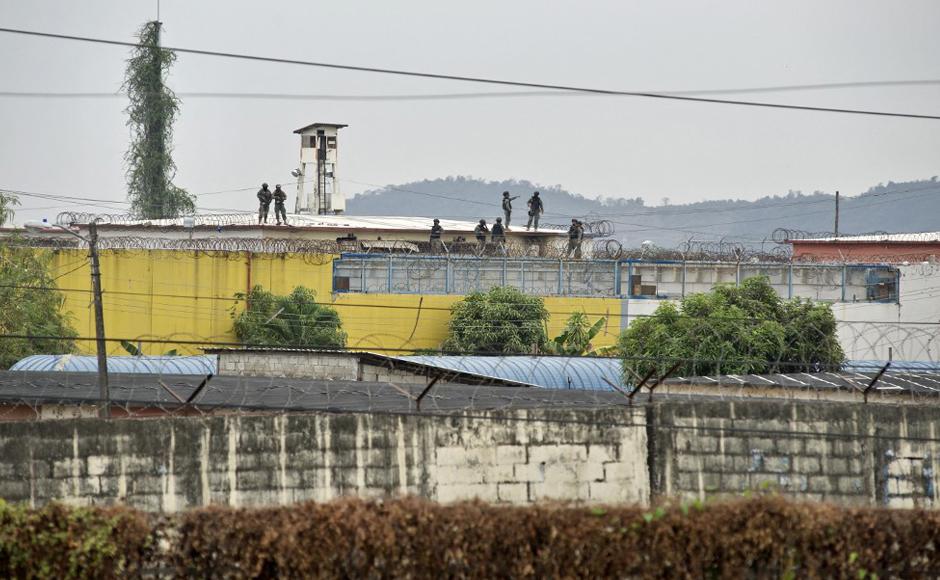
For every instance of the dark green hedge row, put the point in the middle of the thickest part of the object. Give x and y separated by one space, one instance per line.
62 542
765 537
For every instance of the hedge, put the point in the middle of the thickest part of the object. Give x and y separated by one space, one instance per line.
763 537
62 542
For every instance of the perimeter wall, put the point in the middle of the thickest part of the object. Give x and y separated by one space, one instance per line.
847 453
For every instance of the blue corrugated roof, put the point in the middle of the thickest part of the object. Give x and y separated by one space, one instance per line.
554 372
160 365
551 372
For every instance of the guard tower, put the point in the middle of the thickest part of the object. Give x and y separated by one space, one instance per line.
317 187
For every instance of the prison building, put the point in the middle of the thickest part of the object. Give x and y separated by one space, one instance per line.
891 248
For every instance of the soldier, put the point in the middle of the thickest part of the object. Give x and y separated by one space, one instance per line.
264 201
436 230
499 235
535 210
507 207
575 235
480 231
279 198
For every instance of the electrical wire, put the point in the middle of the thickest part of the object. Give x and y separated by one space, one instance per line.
473 95
150 295
666 212
479 80
637 227
249 345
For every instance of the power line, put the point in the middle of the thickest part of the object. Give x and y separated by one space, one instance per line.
858 203
481 80
473 95
855 201
107 293
663 211
354 349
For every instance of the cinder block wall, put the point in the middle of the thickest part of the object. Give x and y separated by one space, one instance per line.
320 365
173 464
315 366
845 453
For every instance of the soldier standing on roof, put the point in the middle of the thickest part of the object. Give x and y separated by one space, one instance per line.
264 202
499 235
480 231
535 210
436 230
507 207
575 235
279 198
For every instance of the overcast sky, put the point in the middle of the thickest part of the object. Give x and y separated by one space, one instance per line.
610 146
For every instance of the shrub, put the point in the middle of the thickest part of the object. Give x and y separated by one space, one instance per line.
733 330
57 541
760 537
503 320
293 320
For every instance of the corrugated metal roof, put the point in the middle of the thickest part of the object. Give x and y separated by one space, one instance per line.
592 373
262 393
151 365
861 366
917 237
550 372
916 383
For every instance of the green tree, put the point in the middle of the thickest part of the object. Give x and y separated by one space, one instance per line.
152 110
28 311
7 202
293 320
575 339
503 320
733 330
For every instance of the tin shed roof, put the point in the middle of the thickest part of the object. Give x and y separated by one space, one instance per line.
551 372
151 365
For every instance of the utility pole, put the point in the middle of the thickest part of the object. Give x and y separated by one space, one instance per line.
104 393
837 215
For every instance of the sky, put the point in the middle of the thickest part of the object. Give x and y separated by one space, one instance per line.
595 146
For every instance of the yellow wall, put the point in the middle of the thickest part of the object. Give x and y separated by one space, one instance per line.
187 296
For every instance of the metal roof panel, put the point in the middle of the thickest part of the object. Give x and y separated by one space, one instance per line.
159 365
550 372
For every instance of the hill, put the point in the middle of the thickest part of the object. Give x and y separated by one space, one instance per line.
894 207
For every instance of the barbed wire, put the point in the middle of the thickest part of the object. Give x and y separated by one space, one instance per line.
787 235
47 394
594 249
69 218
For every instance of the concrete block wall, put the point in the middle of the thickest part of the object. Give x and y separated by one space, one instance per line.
845 453
172 464
320 365
383 374
315 365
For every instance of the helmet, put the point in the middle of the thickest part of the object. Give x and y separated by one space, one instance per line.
499 220
505 194
437 221
264 186
482 222
536 194
278 186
